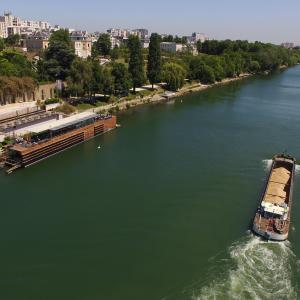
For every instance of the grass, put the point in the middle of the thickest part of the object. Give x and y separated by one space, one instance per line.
86 106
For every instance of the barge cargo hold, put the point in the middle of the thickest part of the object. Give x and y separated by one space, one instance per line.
273 217
65 134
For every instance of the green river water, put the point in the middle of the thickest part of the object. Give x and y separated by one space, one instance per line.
162 211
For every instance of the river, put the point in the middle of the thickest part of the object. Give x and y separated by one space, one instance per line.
162 210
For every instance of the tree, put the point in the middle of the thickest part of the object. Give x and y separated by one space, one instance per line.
103 45
254 66
207 75
136 62
14 63
61 35
199 46
168 38
108 82
121 79
215 63
174 75
13 40
115 53
2 44
80 78
154 60
59 56
97 83
199 70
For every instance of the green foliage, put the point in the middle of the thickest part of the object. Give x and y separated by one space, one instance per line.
52 101
136 62
13 40
174 75
122 81
97 81
2 44
103 45
115 53
168 38
108 82
79 80
199 70
14 63
244 56
254 66
58 58
154 59
62 36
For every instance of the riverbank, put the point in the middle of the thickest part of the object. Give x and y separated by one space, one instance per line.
156 97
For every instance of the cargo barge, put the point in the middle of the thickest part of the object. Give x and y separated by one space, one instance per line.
46 140
273 216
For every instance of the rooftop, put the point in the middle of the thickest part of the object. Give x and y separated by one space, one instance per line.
55 124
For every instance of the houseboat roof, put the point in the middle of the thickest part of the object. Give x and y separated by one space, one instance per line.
56 124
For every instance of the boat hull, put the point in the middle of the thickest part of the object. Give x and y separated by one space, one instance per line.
268 235
273 216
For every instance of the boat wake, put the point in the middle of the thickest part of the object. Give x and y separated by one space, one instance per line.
255 270
267 164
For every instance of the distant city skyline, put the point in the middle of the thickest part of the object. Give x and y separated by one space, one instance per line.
268 21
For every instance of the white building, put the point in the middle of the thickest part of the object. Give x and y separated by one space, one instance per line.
10 25
115 42
199 37
82 43
171 47
3 28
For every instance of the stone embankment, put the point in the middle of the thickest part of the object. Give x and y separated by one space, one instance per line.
155 97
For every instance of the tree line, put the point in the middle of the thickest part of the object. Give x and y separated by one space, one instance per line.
131 66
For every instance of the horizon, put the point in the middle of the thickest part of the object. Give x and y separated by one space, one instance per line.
254 24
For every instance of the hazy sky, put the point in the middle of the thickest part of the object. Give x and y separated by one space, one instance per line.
266 20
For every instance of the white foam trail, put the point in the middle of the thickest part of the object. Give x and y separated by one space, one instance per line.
297 169
267 163
256 270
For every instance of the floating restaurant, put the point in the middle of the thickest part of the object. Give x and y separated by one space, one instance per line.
51 137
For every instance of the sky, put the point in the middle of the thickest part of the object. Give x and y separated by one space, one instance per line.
264 20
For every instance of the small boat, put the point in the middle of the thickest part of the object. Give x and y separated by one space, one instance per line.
273 216
118 126
99 147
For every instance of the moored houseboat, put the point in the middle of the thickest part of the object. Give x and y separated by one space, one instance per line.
273 216
51 138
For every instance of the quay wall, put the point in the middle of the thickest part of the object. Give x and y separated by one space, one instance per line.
42 92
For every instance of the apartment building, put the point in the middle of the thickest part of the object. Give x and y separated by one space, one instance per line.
82 43
171 47
10 25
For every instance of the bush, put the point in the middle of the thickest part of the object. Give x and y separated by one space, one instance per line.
52 101
66 109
